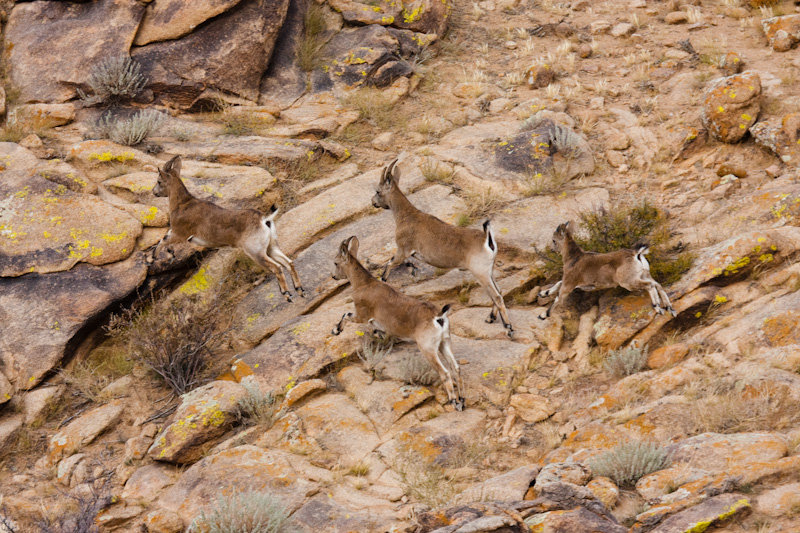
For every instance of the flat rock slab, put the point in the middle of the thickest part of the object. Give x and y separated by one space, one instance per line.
172 19
715 452
384 402
241 469
229 54
528 224
86 33
436 440
509 487
339 426
707 514
578 520
84 429
253 150
39 332
324 514
9 427
488 367
147 482
204 415
48 228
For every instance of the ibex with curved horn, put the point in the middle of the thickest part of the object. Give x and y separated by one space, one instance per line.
439 244
398 315
207 225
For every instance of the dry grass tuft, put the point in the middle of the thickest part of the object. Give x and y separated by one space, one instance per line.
732 408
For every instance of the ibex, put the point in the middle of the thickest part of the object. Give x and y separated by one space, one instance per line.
437 243
205 224
590 271
398 315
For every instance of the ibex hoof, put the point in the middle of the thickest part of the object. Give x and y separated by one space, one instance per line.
543 294
509 331
491 319
672 311
543 317
335 331
300 292
658 310
287 295
458 404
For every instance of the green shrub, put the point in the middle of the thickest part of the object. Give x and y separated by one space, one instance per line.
628 462
256 405
625 361
113 80
132 131
251 512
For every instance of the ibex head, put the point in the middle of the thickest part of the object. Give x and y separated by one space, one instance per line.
348 251
171 168
561 235
389 179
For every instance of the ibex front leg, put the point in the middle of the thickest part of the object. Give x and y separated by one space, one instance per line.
277 255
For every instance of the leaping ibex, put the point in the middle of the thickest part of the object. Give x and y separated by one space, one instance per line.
207 225
591 271
439 244
398 315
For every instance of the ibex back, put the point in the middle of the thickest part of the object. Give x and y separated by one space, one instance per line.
205 224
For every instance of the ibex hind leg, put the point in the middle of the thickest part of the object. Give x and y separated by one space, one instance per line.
277 255
268 263
665 300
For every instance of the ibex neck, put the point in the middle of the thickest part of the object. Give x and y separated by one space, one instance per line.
570 248
399 203
178 193
357 274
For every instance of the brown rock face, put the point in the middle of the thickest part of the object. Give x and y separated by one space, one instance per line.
667 355
171 19
731 105
82 33
418 15
783 32
229 53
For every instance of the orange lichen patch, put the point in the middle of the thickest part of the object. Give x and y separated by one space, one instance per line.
240 370
748 474
559 455
594 435
667 355
416 442
404 405
641 425
667 381
605 490
731 106
656 513
303 390
783 32
781 330
625 317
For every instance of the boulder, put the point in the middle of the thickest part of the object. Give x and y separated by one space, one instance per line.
147 482
32 117
429 16
577 520
9 428
284 81
782 32
172 19
667 355
368 55
326 513
384 402
6 389
262 151
228 55
715 452
39 402
510 486
85 33
532 407
731 105
163 521
711 512
84 429
204 415
242 469
779 139
49 228
783 500
39 332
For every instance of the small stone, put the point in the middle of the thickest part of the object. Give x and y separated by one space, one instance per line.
732 64
675 54
726 168
667 355
617 140
623 29
532 407
564 30
615 159
384 142
605 490
498 105
163 521
596 102
584 51
540 76
599 26
635 4
511 45
676 17
773 171
32 142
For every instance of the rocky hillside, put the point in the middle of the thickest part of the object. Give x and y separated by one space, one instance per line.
165 394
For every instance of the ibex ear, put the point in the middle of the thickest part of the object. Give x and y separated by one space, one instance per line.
352 246
343 248
388 173
173 165
394 171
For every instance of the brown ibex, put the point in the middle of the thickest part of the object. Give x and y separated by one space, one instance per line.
207 225
591 271
395 314
439 244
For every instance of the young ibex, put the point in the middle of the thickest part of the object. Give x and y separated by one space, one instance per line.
398 315
208 225
590 271
437 243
